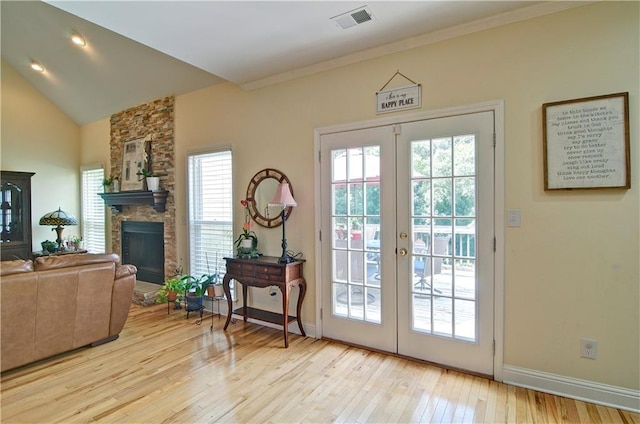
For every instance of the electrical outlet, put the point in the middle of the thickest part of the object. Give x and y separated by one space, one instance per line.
588 348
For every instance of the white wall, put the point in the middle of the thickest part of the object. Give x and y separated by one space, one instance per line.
571 270
38 137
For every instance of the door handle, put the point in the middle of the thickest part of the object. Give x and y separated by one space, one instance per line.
403 252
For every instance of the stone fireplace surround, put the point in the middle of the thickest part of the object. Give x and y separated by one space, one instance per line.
155 122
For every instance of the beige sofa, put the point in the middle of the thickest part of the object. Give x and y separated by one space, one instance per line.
59 303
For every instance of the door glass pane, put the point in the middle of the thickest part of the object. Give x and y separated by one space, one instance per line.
356 233
421 197
443 251
442 155
465 155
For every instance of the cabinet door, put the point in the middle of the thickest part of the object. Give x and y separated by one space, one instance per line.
16 215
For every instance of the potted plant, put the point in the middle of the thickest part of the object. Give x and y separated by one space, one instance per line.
247 242
153 182
170 289
107 184
194 290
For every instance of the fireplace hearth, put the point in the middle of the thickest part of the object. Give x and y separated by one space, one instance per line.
143 246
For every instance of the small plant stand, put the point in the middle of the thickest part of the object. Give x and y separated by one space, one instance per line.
213 299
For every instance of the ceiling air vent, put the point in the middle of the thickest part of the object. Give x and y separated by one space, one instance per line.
353 17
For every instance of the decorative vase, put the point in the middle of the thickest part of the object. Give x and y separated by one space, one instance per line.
153 183
246 243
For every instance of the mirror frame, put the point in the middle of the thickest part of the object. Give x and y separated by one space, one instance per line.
257 216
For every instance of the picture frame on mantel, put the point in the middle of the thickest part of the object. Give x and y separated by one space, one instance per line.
135 157
586 143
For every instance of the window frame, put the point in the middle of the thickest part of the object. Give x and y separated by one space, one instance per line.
84 221
218 266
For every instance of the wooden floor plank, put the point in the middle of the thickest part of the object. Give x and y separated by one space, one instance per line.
165 368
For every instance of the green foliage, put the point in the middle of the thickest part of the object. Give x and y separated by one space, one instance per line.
197 285
144 173
173 284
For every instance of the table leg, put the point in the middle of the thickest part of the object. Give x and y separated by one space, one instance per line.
244 302
303 290
227 292
285 289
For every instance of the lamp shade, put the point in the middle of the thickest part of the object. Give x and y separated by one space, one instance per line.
283 196
58 217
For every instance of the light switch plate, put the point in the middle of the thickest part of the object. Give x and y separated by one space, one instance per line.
514 219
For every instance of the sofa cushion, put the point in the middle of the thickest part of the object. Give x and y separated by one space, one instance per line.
18 318
15 267
63 261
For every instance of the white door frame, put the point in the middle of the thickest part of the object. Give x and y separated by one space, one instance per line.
499 219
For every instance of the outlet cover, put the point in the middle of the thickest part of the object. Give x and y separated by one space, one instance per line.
588 348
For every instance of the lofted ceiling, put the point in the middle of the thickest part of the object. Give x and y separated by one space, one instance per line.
139 51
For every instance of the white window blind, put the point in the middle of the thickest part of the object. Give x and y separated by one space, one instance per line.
93 209
210 212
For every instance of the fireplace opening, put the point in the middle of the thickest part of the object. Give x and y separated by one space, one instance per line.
143 246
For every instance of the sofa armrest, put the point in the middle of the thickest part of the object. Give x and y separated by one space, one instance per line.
123 285
15 267
125 270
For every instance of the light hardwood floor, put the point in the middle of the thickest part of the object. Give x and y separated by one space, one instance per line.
165 368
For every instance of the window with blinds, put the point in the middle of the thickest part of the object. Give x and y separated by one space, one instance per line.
210 212
93 209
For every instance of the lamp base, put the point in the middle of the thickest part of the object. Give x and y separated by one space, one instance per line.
286 259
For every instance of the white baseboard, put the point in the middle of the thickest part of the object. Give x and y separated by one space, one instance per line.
585 390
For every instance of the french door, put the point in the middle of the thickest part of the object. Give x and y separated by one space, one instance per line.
407 239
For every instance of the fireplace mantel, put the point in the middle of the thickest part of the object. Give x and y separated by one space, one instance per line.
115 201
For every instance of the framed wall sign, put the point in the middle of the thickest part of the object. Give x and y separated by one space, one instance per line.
586 143
134 158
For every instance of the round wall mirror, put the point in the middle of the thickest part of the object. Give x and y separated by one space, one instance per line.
260 191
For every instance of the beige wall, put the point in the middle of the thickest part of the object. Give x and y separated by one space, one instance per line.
96 151
38 137
571 270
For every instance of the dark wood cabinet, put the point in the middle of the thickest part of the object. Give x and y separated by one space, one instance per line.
16 215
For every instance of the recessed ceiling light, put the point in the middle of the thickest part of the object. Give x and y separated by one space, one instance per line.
36 66
78 39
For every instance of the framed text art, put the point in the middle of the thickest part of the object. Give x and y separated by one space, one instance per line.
134 158
586 143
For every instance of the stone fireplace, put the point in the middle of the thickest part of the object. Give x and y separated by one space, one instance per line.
154 122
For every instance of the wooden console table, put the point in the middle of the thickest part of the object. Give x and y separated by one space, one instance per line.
265 271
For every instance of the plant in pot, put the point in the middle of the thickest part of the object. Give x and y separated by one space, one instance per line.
194 290
170 289
247 242
107 184
153 182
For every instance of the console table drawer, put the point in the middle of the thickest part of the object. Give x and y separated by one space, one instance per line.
250 270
